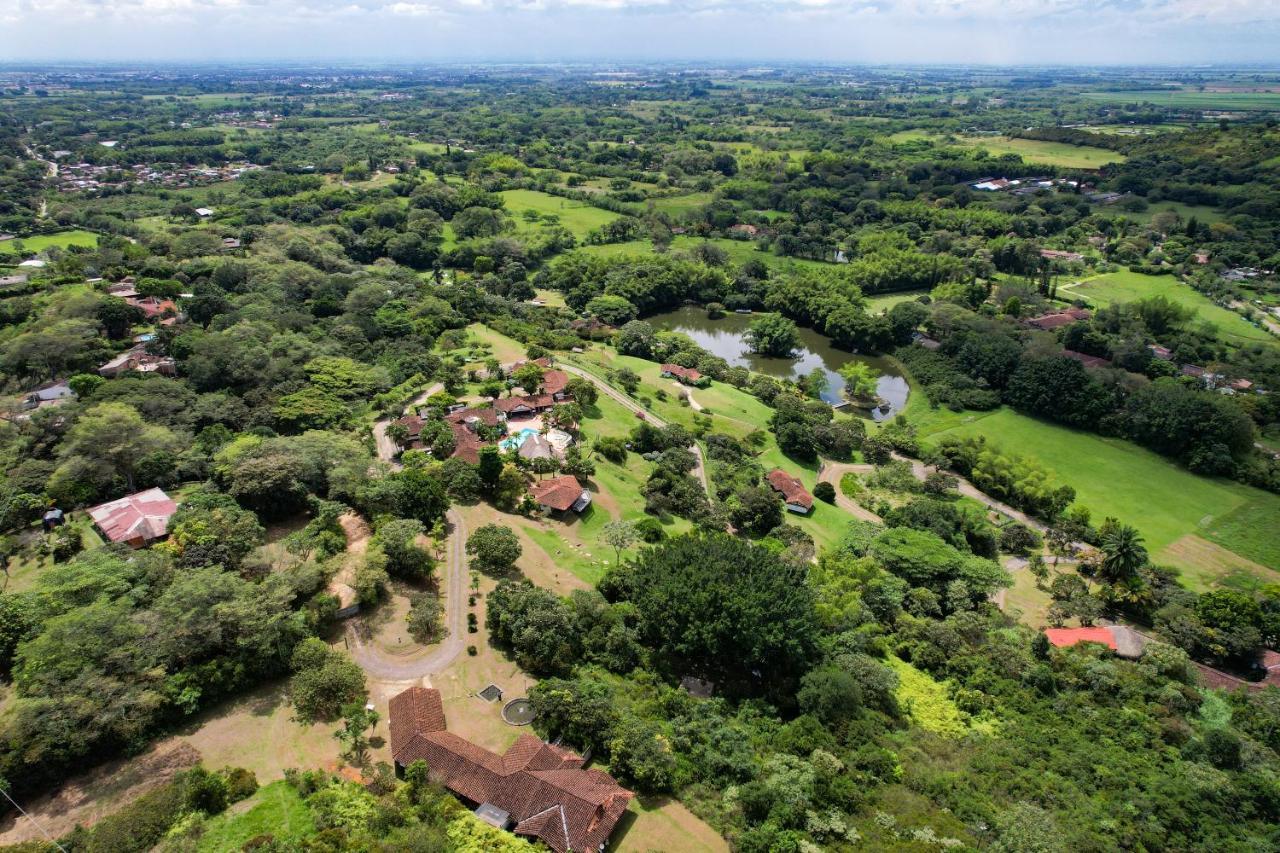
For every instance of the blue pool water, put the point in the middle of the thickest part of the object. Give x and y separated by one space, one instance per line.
513 442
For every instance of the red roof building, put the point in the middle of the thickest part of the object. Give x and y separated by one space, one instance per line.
793 492
1086 360
527 405
1064 637
137 520
1049 322
541 791
687 375
560 493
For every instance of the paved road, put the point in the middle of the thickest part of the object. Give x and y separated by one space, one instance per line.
391 668
700 472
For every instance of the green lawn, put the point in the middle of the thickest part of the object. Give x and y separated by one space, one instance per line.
1203 213
885 301
1049 153
678 205
576 216
40 242
1130 286
1119 479
275 809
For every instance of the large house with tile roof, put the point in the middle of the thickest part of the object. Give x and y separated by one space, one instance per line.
534 789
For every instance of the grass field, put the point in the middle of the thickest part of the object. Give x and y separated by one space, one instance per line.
885 301
1203 213
275 810
1191 100
579 218
40 242
1130 286
677 205
1049 153
1210 529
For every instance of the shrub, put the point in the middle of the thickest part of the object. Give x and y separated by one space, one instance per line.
650 530
825 492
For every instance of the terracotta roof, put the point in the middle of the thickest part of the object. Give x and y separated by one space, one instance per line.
1085 359
487 415
543 788
554 382
559 493
793 491
466 444
1064 637
532 401
137 519
682 372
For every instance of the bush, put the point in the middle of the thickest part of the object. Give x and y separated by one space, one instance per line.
650 530
241 784
424 618
825 492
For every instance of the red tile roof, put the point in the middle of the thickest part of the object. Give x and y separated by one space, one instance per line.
545 789
1063 637
1086 360
136 519
487 415
534 402
793 491
686 373
559 493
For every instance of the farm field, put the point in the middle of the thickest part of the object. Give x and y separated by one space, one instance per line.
1202 212
40 242
1128 286
576 216
1049 153
1212 530
1190 100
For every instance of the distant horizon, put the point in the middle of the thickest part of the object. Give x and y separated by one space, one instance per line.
998 33
692 63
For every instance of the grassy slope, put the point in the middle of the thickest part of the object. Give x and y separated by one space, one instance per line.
276 809
1117 478
1050 153
40 242
579 218
1131 286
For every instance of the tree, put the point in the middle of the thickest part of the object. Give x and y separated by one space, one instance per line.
583 391
419 494
825 492
719 607
489 469
860 380
494 549
758 510
211 529
405 557
576 464
1123 553
620 535
357 722
109 441
773 334
324 680
529 377
614 310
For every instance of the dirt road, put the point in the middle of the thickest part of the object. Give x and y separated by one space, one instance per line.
386 667
386 447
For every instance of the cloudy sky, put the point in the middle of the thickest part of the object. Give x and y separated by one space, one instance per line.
936 31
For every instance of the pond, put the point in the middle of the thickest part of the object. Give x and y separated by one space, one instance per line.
726 338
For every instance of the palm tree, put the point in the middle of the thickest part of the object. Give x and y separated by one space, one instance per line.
1123 553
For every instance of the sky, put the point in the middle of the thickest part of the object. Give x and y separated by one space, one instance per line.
997 32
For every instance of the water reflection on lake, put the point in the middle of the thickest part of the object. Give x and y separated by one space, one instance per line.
726 338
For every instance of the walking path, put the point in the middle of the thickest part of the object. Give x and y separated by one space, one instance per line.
700 471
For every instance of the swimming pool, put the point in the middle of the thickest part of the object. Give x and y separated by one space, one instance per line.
513 442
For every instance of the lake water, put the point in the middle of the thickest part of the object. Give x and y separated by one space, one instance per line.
726 338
